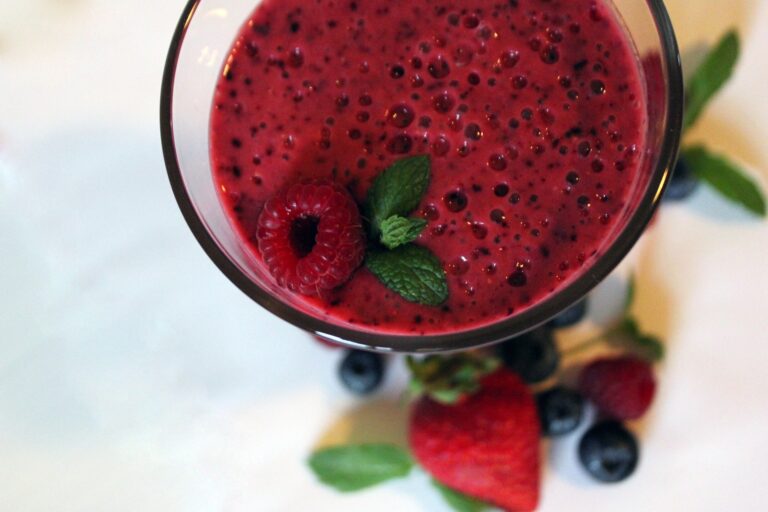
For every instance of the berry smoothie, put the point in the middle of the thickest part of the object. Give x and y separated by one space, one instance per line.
532 111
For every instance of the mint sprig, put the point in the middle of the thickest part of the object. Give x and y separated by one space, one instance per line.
626 334
725 177
412 271
409 270
397 191
397 230
354 467
458 501
710 76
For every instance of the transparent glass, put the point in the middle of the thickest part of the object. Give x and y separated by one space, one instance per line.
200 45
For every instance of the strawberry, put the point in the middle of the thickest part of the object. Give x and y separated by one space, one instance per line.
486 445
621 387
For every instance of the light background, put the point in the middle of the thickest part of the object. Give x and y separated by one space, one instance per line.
134 376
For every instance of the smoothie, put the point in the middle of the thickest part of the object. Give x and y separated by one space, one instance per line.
532 111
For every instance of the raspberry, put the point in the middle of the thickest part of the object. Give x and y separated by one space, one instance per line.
622 388
311 237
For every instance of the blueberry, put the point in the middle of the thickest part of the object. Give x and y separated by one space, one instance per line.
609 452
533 355
361 372
560 411
570 316
683 182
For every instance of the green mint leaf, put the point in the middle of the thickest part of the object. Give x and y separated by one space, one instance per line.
725 177
710 76
397 230
630 336
631 292
458 501
413 272
651 347
355 467
398 190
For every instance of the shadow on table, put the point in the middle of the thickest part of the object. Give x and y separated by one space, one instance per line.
382 420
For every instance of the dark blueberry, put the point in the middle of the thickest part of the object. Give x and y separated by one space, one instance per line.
609 452
533 355
560 411
361 372
570 316
683 182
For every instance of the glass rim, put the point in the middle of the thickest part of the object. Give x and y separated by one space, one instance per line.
528 319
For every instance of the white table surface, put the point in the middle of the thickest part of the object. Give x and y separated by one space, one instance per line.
134 376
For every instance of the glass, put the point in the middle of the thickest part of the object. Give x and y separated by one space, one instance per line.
203 40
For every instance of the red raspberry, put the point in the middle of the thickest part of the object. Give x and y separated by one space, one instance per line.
621 387
311 237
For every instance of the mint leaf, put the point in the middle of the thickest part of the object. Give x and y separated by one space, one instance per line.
397 230
710 76
411 271
458 501
398 190
355 467
726 178
631 291
650 346
629 336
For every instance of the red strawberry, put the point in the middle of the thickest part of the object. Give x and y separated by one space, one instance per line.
311 237
621 387
487 446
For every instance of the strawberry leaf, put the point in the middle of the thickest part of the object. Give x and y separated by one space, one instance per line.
411 271
397 191
726 178
710 76
397 230
355 467
448 379
458 501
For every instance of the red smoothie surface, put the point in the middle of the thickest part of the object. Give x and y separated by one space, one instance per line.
533 112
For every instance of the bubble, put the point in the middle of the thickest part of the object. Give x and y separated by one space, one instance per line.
597 86
509 58
400 144
456 123
443 102
517 279
441 146
497 162
342 101
547 116
550 54
296 58
572 178
400 115
479 230
430 212
462 55
597 165
455 201
473 131
501 190
365 100
438 67
471 21
473 79
519 82
458 266
417 81
397 72
463 149
363 116
585 148
498 216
